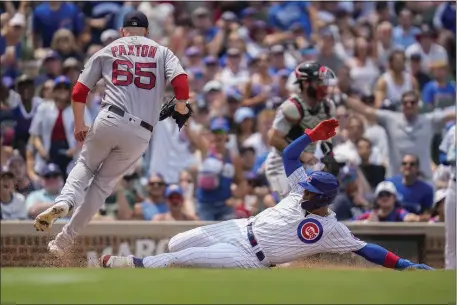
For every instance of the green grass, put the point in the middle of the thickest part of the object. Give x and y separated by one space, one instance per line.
280 286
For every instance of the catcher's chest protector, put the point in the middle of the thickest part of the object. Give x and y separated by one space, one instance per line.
309 118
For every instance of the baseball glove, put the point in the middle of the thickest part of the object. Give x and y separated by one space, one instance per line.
168 110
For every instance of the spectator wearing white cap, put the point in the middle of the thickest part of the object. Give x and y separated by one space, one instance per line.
10 43
386 207
233 75
429 50
244 124
71 69
438 214
108 36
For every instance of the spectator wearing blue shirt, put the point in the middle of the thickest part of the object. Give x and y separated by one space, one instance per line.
283 15
214 36
416 196
155 203
439 92
10 45
386 206
40 200
404 33
51 16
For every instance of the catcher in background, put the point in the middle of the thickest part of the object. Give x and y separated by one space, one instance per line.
297 113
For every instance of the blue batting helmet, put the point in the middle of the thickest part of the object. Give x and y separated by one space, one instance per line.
324 185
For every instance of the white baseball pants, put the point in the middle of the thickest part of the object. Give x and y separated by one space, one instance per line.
221 245
450 227
112 148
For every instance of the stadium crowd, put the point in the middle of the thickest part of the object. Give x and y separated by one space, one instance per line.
394 165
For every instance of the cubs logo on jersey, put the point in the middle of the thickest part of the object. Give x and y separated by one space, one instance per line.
310 231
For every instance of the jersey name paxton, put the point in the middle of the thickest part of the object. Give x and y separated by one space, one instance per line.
134 50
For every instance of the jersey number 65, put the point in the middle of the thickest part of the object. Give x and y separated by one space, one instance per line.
128 77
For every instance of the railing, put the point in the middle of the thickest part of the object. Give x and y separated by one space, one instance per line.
21 245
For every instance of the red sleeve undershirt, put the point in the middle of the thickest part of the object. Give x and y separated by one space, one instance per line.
80 92
181 87
391 260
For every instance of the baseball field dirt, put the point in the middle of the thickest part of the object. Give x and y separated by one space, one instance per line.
203 286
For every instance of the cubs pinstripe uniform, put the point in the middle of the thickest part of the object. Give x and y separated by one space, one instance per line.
284 233
274 169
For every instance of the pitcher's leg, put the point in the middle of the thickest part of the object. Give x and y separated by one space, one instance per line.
216 256
450 226
113 168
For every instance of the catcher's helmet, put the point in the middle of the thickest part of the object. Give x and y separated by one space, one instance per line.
324 185
313 71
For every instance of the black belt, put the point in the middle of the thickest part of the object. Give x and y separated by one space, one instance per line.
260 255
121 113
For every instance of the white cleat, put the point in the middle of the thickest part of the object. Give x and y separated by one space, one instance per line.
44 221
55 250
111 261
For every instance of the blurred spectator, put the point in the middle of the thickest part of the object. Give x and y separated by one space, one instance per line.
258 196
64 43
171 150
327 55
260 86
247 156
233 75
117 205
12 203
40 200
244 124
384 43
429 50
364 70
386 206
392 84
108 36
71 69
174 197
374 173
438 206
348 149
213 36
439 92
51 16
220 168
155 202
6 152
23 184
349 204
52 129
415 67
46 90
282 15
404 33
187 184
23 105
408 131
11 45
51 66
415 195
259 140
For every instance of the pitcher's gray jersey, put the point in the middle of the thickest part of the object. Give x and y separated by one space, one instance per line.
136 71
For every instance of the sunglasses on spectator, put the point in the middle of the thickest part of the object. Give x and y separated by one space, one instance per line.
410 102
156 183
384 194
186 180
409 163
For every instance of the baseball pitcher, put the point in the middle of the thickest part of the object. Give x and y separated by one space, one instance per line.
299 226
298 112
136 70
448 150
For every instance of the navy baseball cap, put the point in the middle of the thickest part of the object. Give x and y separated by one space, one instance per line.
51 169
173 189
219 123
62 80
136 19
